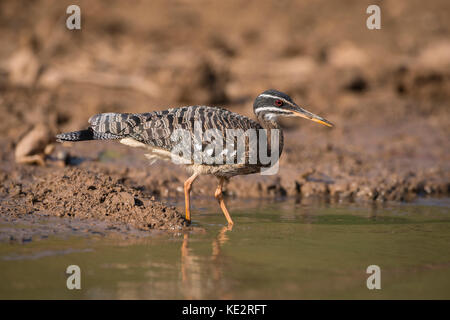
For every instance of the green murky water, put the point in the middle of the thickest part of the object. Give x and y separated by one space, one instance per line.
275 251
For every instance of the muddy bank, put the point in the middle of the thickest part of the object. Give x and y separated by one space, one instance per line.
83 194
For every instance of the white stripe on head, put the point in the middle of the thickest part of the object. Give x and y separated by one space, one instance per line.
268 109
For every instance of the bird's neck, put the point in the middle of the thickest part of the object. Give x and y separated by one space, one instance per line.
270 125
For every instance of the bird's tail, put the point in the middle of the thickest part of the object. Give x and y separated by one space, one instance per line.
85 135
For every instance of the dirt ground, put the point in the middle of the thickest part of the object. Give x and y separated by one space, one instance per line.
387 92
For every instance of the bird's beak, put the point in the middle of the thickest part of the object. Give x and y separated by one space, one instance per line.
300 112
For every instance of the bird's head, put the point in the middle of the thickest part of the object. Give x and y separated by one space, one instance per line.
272 104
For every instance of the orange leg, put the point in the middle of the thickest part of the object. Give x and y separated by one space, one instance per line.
187 192
219 196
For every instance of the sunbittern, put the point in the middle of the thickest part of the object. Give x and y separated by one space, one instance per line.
154 132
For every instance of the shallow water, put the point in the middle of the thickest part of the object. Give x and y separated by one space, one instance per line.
284 250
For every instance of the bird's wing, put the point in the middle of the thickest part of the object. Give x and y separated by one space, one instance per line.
156 128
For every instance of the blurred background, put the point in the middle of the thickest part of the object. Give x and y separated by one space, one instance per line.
387 91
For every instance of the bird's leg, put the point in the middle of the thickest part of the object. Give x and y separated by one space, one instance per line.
219 196
187 192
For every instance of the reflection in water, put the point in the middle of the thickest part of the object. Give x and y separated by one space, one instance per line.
280 251
198 282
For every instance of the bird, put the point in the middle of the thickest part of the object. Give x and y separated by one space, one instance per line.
154 132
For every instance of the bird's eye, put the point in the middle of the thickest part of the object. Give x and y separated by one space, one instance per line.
278 103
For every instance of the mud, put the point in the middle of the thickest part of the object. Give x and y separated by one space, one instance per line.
87 194
387 92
